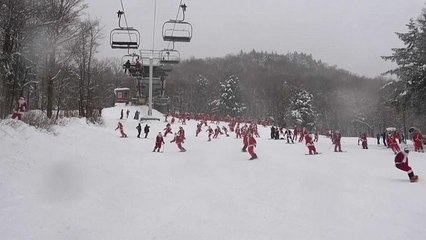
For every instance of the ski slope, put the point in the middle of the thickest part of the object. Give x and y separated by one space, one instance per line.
85 182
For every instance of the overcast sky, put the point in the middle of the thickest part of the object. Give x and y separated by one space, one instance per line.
351 34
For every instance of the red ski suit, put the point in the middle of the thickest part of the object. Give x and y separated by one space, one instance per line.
120 126
179 140
159 140
401 162
20 108
337 136
310 144
418 141
251 146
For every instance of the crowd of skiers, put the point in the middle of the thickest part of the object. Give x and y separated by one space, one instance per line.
248 133
246 129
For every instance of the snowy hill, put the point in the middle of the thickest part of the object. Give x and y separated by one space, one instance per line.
85 182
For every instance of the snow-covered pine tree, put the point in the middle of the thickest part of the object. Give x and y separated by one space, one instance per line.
229 100
301 109
411 61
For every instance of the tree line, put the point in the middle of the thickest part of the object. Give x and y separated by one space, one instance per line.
48 54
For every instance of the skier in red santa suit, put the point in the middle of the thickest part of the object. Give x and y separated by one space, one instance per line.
198 129
302 134
401 162
181 133
225 130
167 129
238 132
337 136
397 137
217 131
254 130
20 108
121 127
244 133
210 132
251 145
159 140
363 139
316 135
394 145
295 133
418 141
289 134
179 141
310 144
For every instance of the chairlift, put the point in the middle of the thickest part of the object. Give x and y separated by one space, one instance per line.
132 65
124 37
169 56
177 30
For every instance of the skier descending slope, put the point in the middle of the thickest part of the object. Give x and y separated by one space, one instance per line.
159 140
251 145
121 127
167 129
310 144
178 139
210 132
244 133
401 162
337 137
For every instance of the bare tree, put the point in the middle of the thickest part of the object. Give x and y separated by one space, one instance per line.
15 16
60 18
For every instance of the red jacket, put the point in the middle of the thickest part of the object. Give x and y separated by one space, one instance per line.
251 141
400 158
337 137
159 139
178 139
417 137
308 139
120 126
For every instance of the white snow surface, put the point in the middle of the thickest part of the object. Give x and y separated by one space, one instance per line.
85 182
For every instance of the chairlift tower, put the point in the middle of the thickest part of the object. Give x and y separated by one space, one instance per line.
177 30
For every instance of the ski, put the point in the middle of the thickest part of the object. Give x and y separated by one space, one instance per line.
312 154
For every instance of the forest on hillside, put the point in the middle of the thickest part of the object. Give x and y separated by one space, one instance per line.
292 89
48 53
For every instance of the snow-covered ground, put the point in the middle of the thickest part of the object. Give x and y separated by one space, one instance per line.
85 182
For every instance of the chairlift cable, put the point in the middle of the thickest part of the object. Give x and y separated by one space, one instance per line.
174 26
125 19
153 28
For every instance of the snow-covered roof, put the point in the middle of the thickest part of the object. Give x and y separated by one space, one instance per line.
121 89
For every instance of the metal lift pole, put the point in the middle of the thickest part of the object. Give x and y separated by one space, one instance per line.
151 63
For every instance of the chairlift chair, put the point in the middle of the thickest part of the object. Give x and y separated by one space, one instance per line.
125 38
169 56
132 64
177 31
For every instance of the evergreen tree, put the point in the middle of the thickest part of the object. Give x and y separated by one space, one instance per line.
301 109
411 61
229 101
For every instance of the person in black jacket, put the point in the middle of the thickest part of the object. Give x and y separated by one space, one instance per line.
139 128
146 130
